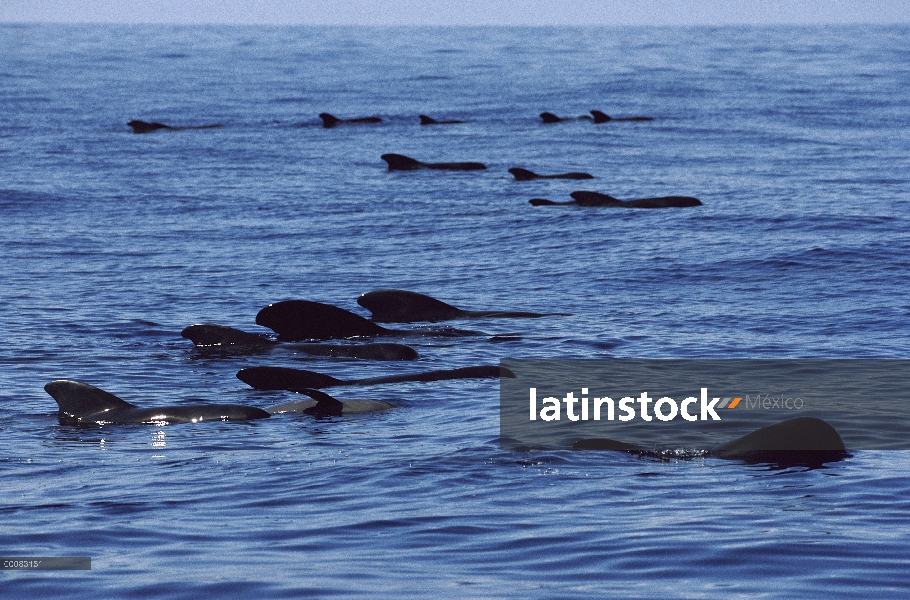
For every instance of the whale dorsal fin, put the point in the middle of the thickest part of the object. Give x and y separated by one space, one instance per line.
81 399
400 306
523 174
329 120
601 117
399 162
295 320
326 406
549 117
425 120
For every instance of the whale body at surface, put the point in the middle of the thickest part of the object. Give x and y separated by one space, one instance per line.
80 403
399 162
797 441
320 404
330 120
402 306
210 339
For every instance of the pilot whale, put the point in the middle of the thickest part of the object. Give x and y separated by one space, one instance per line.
296 320
596 116
81 403
283 378
582 198
209 338
399 162
548 117
800 440
143 127
425 120
400 306
329 120
320 404
599 117
525 175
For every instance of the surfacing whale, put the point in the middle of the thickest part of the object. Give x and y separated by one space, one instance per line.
329 120
425 120
320 404
211 339
525 175
600 117
399 162
400 306
296 320
284 378
80 403
548 117
143 127
596 116
582 198
797 441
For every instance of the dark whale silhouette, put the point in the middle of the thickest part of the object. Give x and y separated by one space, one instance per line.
596 116
425 120
296 320
548 117
80 403
283 378
600 117
398 162
143 127
400 306
525 175
218 339
321 404
582 198
331 120
797 441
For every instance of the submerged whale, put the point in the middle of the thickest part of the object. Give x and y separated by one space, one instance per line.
801 440
399 162
525 175
143 127
425 120
582 198
283 378
320 404
400 306
80 403
296 320
219 339
329 120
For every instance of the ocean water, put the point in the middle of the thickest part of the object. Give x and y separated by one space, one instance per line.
797 141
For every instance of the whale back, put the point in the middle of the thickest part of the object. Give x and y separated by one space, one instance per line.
296 320
523 174
209 334
663 202
144 127
399 162
401 306
549 117
793 439
80 400
583 198
284 378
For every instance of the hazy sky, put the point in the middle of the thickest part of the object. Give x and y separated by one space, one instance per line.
460 12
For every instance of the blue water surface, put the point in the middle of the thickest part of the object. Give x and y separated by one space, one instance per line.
797 141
